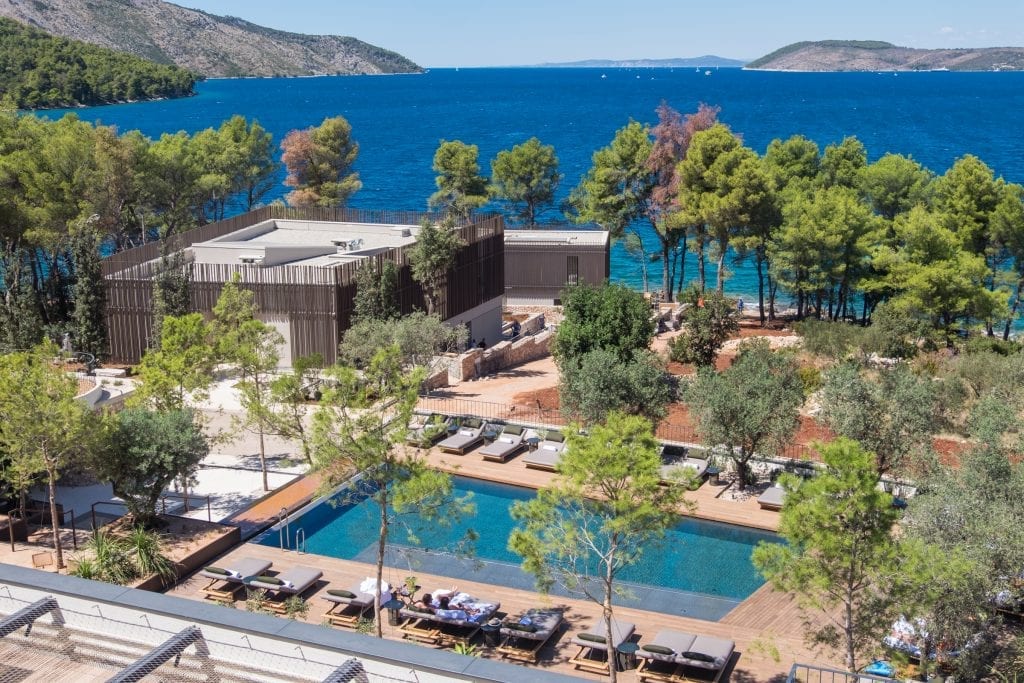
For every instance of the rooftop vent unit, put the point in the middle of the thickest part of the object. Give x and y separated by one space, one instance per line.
251 259
402 230
348 245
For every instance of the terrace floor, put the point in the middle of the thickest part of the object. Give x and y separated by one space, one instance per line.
766 627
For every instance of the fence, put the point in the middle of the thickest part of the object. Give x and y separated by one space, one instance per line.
807 673
539 416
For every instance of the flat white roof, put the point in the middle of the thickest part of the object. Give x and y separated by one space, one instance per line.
306 243
596 238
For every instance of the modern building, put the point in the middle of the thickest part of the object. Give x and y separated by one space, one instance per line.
301 265
540 263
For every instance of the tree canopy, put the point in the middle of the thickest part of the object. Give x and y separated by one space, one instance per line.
460 187
40 71
526 177
320 163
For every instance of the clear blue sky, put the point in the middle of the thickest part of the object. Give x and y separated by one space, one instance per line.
517 32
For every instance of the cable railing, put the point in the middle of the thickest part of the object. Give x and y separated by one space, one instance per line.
809 673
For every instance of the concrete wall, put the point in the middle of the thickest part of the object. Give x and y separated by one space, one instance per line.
484 321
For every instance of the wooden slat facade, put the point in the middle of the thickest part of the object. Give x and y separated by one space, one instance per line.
537 269
318 302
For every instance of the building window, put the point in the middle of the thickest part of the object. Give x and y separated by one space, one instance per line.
572 267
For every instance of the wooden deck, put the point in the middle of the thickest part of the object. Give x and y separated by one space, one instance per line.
756 645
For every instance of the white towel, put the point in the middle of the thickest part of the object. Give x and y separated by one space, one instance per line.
368 586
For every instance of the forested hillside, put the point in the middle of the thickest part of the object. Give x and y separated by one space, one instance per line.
39 71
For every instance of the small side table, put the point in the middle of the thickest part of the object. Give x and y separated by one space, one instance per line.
625 656
532 442
393 606
490 435
713 473
492 633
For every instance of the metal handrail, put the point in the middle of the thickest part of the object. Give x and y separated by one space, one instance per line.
300 541
821 674
42 512
284 536
186 498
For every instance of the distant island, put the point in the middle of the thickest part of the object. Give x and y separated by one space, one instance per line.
204 43
675 62
871 55
40 71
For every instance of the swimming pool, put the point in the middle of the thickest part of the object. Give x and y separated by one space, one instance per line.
701 568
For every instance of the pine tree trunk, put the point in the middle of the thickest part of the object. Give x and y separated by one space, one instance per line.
720 279
263 460
666 269
702 278
760 288
51 473
382 539
606 613
1013 311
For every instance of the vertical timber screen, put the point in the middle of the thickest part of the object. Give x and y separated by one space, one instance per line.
318 302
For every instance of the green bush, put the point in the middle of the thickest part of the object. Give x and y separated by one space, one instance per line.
986 344
833 340
810 377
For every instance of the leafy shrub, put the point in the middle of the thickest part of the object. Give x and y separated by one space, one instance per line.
256 601
986 344
830 339
894 334
709 322
295 607
810 377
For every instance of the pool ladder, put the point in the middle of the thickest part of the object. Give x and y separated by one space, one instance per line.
284 536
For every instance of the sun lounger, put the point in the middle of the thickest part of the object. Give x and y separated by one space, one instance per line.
548 453
524 637
347 606
459 624
232 575
672 655
508 442
426 430
596 649
291 582
469 434
772 498
677 465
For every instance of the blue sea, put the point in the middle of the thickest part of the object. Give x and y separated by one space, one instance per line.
398 121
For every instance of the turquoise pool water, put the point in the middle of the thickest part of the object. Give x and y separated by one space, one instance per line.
697 558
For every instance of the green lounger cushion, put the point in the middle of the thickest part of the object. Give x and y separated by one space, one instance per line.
217 570
419 610
698 656
338 593
557 437
516 626
658 649
512 429
273 580
593 637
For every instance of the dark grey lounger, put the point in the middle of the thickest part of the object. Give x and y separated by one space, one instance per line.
594 643
234 575
294 581
664 658
347 607
508 442
772 498
470 433
523 642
